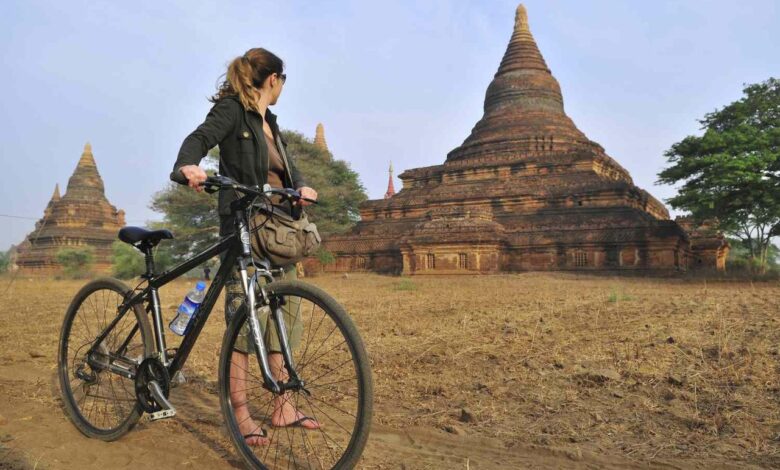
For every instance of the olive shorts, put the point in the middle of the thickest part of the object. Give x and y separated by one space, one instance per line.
234 301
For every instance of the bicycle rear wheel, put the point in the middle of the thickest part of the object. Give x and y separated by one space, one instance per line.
102 404
330 359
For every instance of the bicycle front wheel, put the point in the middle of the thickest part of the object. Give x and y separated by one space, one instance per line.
98 400
324 426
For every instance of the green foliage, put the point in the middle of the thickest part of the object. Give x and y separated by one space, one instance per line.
5 261
193 218
338 187
732 172
622 296
406 284
739 258
76 262
127 261
190 215
325 257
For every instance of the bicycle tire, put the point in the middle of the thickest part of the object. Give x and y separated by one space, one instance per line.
354 393
98 301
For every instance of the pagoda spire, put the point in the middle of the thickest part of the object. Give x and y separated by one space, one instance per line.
319 137
87 159
390 187
85 182
523 109
55 197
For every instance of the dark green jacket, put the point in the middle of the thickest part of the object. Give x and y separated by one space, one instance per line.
243 152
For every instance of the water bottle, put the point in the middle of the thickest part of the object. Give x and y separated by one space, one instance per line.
187 309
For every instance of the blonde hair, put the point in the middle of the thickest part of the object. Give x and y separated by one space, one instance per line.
246 74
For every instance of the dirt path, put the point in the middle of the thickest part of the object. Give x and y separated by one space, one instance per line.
34 433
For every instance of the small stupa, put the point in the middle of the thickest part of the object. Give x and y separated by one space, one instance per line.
82 217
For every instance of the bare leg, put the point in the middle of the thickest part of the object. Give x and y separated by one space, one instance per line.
284 411
238 397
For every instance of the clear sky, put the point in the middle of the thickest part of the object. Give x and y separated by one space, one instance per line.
397 80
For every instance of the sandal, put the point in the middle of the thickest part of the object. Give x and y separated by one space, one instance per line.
299 423
262 434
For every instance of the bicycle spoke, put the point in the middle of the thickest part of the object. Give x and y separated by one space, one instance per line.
325 434
324 358
335 390
108 402
308 339
323 354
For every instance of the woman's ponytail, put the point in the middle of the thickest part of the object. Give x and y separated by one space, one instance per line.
246 74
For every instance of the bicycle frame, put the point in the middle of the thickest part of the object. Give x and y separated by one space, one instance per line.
237 246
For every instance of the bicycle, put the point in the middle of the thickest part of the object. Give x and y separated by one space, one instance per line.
114 366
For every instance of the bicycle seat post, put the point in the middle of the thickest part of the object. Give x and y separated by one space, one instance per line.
147 247
149 258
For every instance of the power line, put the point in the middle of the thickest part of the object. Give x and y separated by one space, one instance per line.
18 217
38 218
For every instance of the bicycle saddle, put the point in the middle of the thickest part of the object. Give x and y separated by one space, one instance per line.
139 235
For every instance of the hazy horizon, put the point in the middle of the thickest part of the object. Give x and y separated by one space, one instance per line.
403 81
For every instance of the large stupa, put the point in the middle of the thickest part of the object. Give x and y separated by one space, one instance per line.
82 217
527 190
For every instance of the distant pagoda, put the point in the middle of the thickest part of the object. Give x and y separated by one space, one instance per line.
319 138
81 217
390 186
526 190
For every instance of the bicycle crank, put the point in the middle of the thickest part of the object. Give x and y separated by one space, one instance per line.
152 386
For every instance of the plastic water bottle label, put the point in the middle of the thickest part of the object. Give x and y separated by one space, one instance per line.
187 310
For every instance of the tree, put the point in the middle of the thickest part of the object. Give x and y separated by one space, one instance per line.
193 218
739 257
732 172
76 262
190 215
338 187
127 261
5 261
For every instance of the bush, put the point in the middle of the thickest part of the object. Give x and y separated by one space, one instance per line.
5 261
127 261
76 262
325 257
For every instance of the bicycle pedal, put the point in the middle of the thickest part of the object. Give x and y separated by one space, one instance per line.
162 414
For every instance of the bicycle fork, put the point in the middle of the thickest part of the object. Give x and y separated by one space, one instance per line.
251 286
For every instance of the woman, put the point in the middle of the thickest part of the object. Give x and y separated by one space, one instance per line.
247 134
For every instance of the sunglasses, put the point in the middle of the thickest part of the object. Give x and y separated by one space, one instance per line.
282 76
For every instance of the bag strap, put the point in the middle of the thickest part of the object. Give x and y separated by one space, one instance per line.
283 153
296 211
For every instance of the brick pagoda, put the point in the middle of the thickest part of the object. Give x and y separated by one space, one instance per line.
527 190
81 217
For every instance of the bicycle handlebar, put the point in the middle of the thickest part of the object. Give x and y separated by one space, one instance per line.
219 182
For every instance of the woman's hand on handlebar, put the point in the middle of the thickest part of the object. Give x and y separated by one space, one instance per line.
195 176
307 193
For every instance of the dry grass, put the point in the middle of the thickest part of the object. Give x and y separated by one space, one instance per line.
644 368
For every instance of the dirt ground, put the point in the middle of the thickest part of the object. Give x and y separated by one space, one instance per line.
517 371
